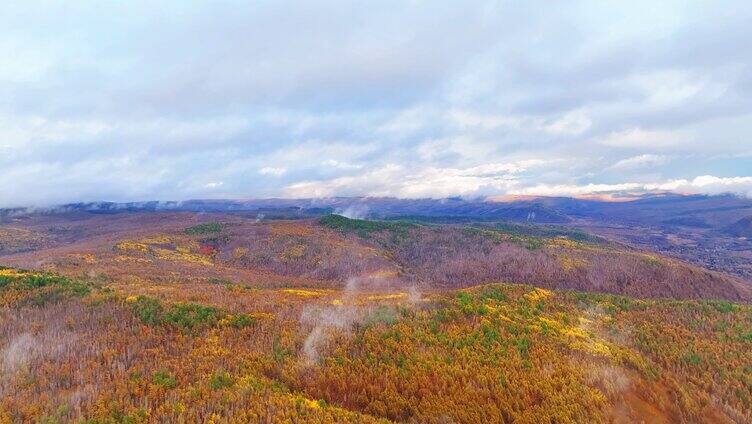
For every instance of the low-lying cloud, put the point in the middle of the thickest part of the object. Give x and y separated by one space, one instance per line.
343 314
705 184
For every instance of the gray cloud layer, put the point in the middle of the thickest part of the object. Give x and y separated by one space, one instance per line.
136 100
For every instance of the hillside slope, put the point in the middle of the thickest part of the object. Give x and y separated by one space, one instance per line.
457 256
86 350
686 227
328 251
741 228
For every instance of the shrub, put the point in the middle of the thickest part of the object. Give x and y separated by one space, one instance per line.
548 231
210 227
523 346
185 316
364 228
494 293
165 379
189 316
528 242
148 310
382 314
241 321
465 301
40 288
692 359
220 379
723 306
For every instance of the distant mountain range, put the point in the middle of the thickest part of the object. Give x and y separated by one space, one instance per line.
699 211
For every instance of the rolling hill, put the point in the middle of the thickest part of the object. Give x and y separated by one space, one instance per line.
690 228
85 349
327 251
741 228
176 316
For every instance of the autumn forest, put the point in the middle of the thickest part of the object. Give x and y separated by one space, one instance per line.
181 317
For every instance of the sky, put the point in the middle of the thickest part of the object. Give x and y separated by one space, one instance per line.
174 100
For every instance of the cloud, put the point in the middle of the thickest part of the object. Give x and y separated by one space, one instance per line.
470 119
641 161
340 165
268 170
575 122
575 190
395 180
638 138
705 184
332 98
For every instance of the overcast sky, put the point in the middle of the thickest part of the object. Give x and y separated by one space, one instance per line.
172 100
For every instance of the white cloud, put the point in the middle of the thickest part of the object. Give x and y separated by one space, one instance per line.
667 88
639 138
268 170
310 153
22 131
396 180
641 161
332 163
437 182
469 119
574 190
705 184
407 121
374 183
572 123
490 169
